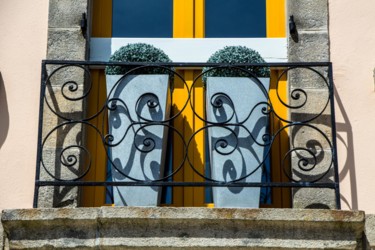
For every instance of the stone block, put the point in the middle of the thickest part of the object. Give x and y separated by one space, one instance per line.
54 197
69 75
312 47
2 235
183 228
31 229
309 14
370 230
319 198
66 44
320 169
56 135
311 102
305 78
306 168
61 164
315 136
67 163
66 13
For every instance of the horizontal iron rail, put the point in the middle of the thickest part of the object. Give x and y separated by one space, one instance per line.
191 64
187 184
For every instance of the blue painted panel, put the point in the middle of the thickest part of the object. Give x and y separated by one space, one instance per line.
142 18
235 18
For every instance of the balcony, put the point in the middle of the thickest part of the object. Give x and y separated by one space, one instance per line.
78 158
77 144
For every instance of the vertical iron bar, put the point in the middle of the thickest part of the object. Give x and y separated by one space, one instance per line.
40 128
334 143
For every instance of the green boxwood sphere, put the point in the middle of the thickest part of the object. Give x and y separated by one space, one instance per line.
236 55
138 52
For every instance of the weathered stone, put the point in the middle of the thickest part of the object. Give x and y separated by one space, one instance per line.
66 13
66 44
304 78
2 236
183 228
62 164
315 136
57 228
370 230
308 168
65 163
309 14
320 198
61 196
319 169
310 44
311 47
72 76
312 102
57 135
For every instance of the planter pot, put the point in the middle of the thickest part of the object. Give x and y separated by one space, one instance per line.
138 150
233 152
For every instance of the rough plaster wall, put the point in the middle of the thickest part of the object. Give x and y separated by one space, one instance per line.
23 40
65 42
352 38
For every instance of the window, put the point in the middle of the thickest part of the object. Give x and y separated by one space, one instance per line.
188 31
236 18
142 18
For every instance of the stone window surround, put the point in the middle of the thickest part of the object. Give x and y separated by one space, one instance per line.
66 42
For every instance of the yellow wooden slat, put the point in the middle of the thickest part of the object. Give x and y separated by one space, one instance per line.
102 18
199 139
88 196
280 146
199 24
275 150
284 139
95 196
101 154
179 97
276 22
183 22
188 132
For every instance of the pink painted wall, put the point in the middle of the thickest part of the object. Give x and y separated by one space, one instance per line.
352 36
23 43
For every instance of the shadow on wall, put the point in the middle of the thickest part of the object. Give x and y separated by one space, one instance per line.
345 138
4 113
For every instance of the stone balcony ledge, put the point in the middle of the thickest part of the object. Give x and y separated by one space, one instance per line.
182 228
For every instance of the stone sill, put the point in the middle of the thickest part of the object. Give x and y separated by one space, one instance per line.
182 228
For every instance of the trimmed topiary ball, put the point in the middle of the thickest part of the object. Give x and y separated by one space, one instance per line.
138 52
236 55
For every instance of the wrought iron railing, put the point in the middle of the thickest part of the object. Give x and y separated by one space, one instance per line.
298 121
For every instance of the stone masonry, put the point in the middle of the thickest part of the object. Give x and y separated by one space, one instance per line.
65 42
182 228
310 44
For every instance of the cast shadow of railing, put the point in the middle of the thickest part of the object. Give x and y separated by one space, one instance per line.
346 143
4 112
